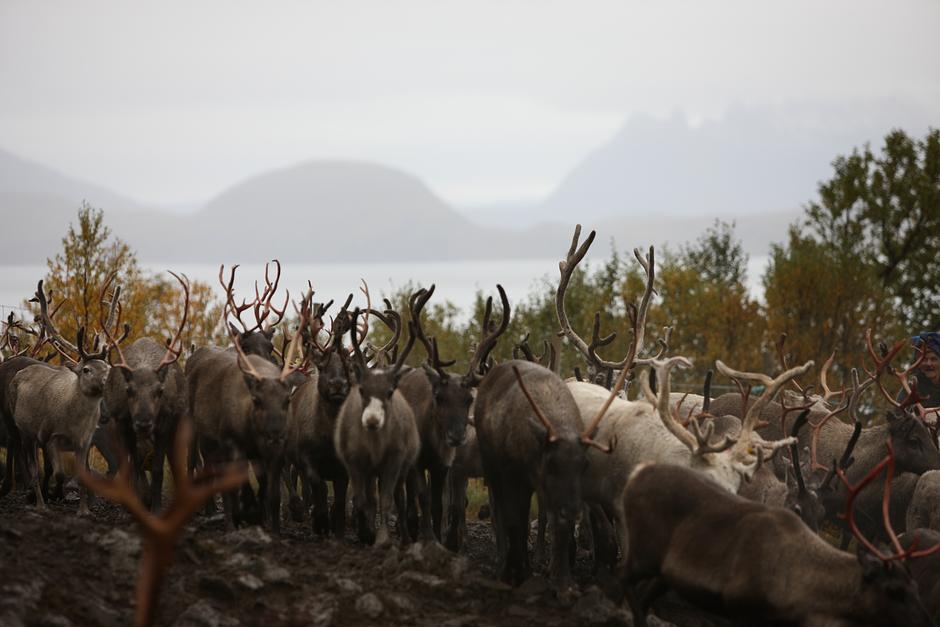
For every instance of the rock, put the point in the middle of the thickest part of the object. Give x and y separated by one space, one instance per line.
18 601
217 587
273 573
594 608
239 560
202 614
321 609
52 620
517 611
391 561
122 547
248 537
462 621
400 602
106 616
422 579
458 566
369 605
534 586
347 586
250 581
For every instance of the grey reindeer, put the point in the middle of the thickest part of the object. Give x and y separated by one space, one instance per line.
752 563
377 440
145 394
441 403
239 405
57 408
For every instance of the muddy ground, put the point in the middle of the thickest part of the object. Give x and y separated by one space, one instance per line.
57 569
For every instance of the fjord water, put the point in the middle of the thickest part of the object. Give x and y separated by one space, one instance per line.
457 281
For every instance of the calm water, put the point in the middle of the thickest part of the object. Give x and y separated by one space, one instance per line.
457 281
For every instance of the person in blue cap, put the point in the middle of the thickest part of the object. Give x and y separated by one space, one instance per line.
928 373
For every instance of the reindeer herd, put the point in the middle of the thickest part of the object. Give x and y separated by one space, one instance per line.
719 500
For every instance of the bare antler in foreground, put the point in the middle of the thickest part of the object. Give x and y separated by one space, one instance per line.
160 533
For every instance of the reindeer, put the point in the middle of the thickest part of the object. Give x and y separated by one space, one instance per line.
753 563
441 404
466 465
649 430
926 570
58 407
924 509
314 410
376 439
145 394
256 339
239 404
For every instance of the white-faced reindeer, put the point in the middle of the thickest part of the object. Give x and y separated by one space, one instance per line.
441 403
57 408
239 405
145 394
376 439
756 564
315 407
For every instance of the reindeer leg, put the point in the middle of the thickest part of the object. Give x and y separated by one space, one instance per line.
401 508
417 479
156 472
31 454
81 461
438 474
338 514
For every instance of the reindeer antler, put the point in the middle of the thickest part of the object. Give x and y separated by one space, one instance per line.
160 534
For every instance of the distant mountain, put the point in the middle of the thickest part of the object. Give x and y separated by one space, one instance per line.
37 203
335 210
748 162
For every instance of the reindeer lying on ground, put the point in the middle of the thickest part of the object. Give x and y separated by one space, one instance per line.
753 563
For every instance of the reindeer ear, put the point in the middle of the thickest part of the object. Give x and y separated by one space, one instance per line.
251 382
162 372
234 330
269 332
127 372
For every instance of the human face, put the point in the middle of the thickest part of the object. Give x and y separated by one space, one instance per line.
930 366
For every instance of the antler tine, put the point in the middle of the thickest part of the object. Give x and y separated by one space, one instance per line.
230 296
400 360
172 353
45 321
639 326
242 359
392 320
663 369
490 334
415 306
292 349
364 327
107 322
357 350
784 359
824 382
552 434
883 364
703 438
772 387
801 421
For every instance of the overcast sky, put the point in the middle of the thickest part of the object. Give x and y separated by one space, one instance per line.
487 102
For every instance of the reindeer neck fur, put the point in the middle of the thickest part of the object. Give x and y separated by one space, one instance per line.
398 436
642 437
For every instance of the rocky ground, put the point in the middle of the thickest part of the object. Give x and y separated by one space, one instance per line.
57 569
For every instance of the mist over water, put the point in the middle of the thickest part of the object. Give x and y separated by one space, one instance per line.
456 281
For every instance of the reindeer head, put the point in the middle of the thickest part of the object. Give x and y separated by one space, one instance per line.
914 448
376 386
